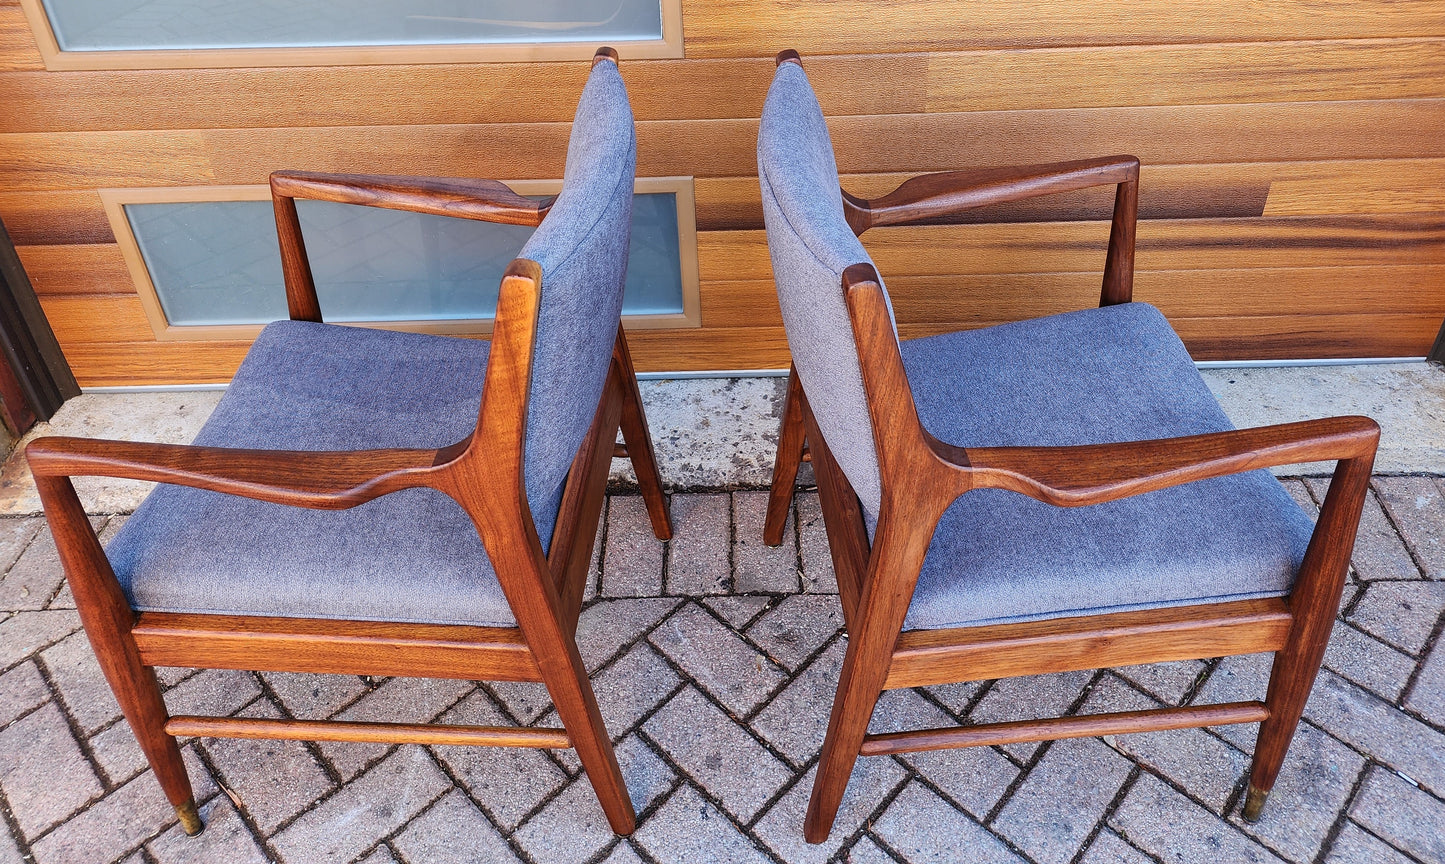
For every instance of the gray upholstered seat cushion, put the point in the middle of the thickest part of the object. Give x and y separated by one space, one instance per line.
1094 376
412 555
409 556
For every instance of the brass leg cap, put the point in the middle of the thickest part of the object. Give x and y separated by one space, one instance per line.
1253 804
190 819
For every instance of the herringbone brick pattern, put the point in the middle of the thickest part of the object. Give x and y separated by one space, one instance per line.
714 659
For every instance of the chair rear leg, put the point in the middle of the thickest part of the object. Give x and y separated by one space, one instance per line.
639 442
1314 603
108 618
785 465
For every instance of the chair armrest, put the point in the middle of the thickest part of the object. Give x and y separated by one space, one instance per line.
930 197
1096 473
328 480
483 200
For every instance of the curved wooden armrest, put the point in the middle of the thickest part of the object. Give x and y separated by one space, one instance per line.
485 200
933 196
1096 473
328 480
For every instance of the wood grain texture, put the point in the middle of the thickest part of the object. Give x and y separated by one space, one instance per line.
733 88
1290 131
17 45
1055 728
1164 244
313 645
1392 186
1310 108
1228 190
77 268
925 657
1223 337
48 218
863 27
963 302
504 93
78 319
380 733
1140 75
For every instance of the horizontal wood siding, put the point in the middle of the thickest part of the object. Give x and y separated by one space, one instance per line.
1293 194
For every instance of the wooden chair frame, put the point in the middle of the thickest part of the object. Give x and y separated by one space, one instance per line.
483 473
922 476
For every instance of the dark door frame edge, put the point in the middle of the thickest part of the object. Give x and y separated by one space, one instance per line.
29 346
1437 352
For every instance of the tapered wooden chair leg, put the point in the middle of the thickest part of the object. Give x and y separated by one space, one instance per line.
852 709
107 618
785 465
577 707
1314 602
639 443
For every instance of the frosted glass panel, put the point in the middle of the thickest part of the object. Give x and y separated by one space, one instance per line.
110 25
217 262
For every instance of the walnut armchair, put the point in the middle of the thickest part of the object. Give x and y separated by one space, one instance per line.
440 496
1106 513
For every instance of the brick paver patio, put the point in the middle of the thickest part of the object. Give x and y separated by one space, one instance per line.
714 659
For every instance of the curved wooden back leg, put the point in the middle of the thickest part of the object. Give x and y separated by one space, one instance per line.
107 618
488 483
581 509
639 442
791 444
1314 603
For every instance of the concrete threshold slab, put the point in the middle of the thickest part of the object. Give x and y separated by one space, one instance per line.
720 433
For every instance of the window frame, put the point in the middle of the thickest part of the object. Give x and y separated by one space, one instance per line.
115 200
670 46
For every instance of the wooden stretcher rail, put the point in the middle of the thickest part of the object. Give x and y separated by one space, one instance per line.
379 733
1064 727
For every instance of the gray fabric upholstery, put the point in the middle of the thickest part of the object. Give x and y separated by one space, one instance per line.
811 245
413 555
1095 376
582 247
409 556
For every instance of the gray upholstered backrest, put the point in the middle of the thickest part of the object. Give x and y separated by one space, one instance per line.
582 247
811 245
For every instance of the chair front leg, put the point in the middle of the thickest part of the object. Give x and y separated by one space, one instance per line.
899 548
791 441
1314 602
639 442
107 618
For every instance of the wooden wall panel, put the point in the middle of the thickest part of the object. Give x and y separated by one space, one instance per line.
1185 74
972 300
1229 190
752 27
17 46
1291 197
97 318
1393 129
78 268
723 89
1165 244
